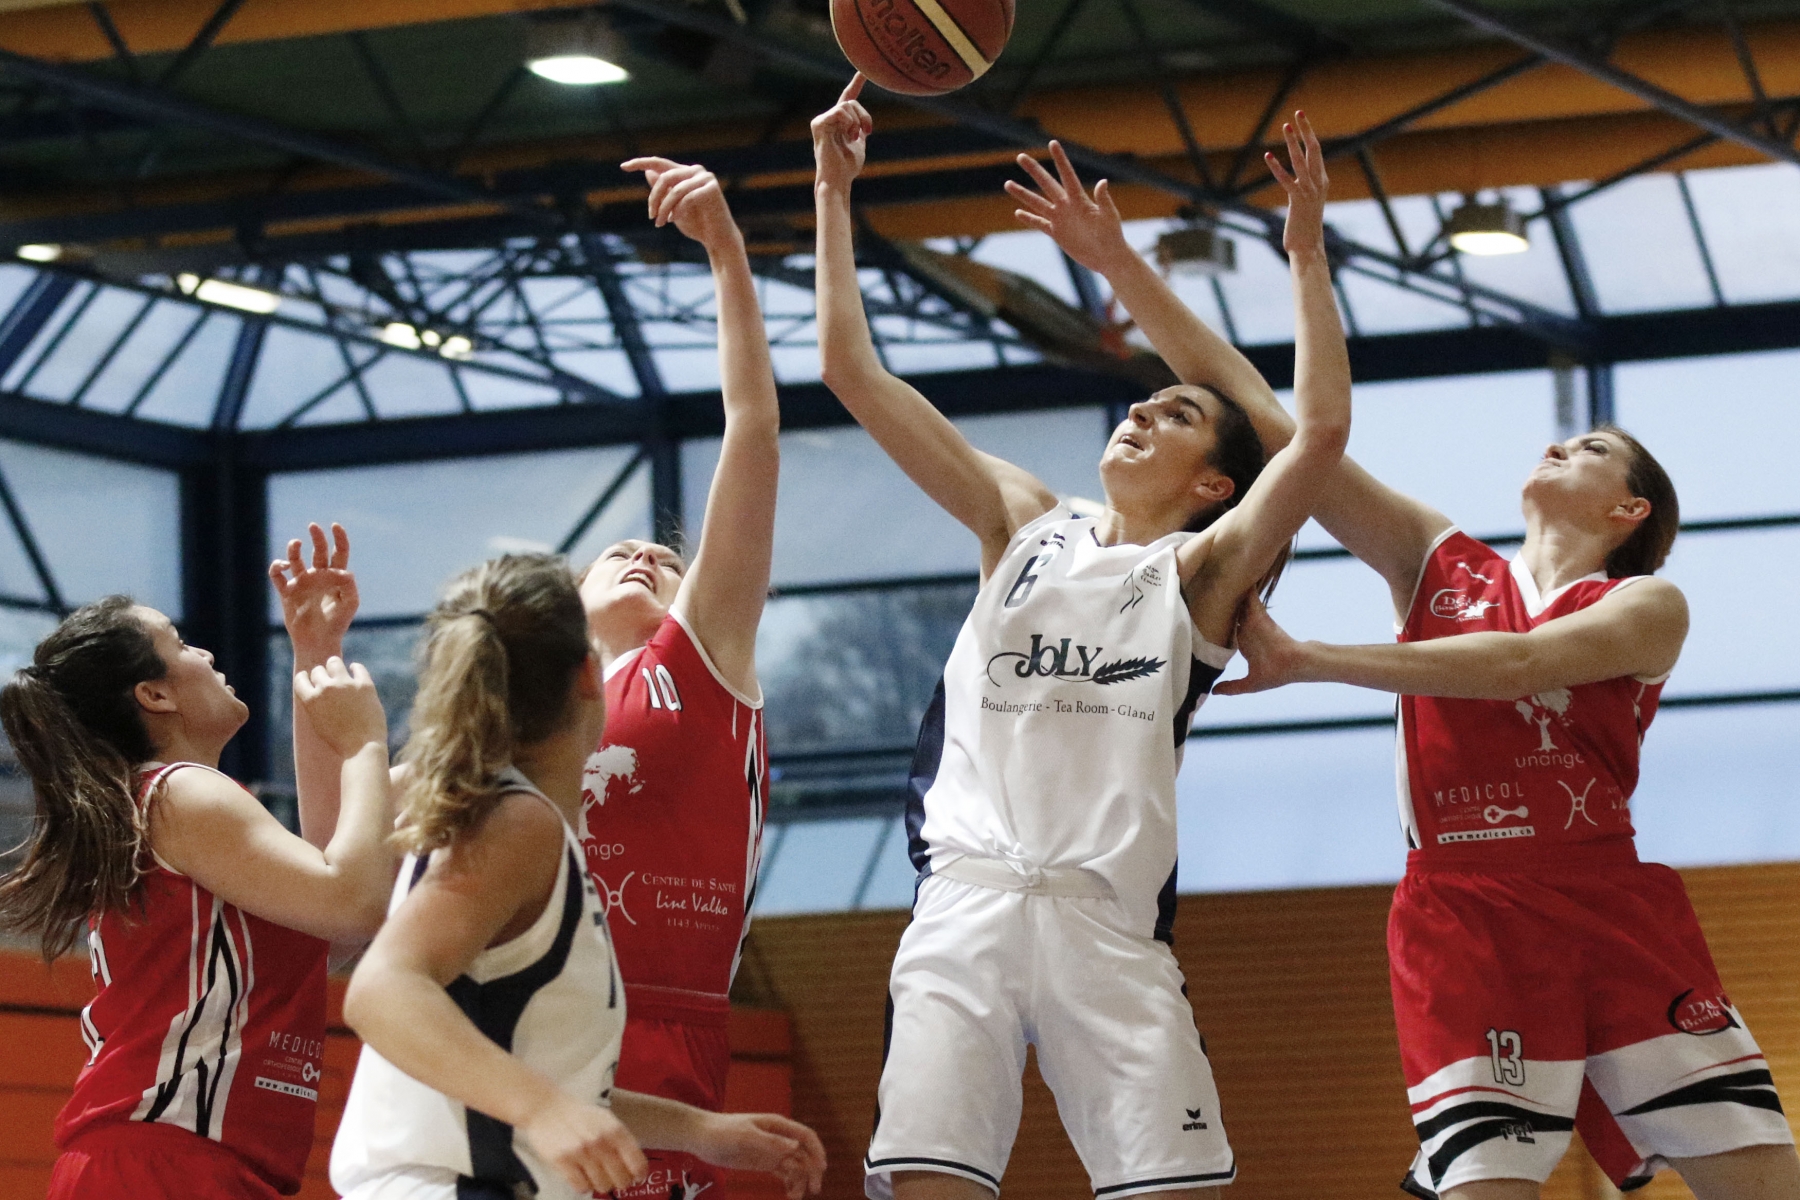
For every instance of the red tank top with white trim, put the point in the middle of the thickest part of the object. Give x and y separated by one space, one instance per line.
672 815
206 1018
1500 780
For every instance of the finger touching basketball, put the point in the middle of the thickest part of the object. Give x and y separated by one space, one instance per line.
922 47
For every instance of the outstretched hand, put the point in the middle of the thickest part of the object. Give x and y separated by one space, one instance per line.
841 137
689 196
766 1142
319 600
343 706
1306 185
1087 227
1274 658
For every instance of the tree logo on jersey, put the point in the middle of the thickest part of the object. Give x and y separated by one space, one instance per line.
1065 660
1544 708
603 766
1702 1016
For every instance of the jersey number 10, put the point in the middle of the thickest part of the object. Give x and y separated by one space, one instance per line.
664 683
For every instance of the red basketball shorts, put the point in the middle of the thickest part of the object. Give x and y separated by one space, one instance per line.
678 1060
152 1161
1535 1002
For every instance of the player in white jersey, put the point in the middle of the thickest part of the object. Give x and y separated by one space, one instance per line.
490 1003
1044 785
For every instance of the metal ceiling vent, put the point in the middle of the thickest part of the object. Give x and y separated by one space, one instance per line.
578 51
1196 250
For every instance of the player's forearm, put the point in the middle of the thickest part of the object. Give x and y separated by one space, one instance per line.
359 854
747 377
846 347
658 1123
1193 351
410 1020
1472 666
316 779
1321 358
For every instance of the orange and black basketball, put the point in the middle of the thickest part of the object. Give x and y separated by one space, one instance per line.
922 47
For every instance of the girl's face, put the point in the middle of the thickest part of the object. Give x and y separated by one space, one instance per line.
190 689
1162 451
632 572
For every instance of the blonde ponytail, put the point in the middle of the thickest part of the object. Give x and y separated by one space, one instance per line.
501 650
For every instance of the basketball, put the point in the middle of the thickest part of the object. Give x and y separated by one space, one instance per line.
922 47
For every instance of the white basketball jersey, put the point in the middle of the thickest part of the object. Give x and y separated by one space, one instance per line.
1057 731
552 996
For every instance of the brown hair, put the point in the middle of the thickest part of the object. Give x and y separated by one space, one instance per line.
1237 454
1648 546
501 649
73 720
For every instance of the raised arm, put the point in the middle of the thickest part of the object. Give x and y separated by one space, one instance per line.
1089 230
318 602
1636 631
208 828
1386 529
723 593
1229 557
993 498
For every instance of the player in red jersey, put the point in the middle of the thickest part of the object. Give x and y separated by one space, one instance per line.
1544 979
208 922
673 798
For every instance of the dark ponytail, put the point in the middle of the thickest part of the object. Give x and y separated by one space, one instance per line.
501 649
1238 455
72 718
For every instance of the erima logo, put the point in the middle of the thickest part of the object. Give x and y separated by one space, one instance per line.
1067 661
1193 1122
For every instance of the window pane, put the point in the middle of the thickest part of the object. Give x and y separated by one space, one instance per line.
855 670
1751 218
1723 465
1640 247
816 866
103 526
1739 637
892 881
1296 810
845 512
1718 786
414 525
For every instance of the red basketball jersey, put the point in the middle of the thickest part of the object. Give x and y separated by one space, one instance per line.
1501 779
672 815
207 1019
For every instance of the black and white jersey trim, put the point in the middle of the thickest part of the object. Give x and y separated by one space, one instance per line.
495 1008
1170 1181
1755 1088
931 1164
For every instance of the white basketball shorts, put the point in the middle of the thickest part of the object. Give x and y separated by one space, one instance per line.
983 972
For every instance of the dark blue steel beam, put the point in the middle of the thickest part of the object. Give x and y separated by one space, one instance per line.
29 314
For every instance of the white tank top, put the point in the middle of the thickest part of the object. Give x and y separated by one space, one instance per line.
1055 737
552 996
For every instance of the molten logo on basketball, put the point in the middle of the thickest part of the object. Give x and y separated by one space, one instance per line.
1701 1016
902 38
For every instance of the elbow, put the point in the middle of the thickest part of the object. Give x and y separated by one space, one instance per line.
362 1001
843 371
1322 441
1522 672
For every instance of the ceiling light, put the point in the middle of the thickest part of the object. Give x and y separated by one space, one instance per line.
1195 250
1486 229
457 346
40 252
579 52
399 333
231 295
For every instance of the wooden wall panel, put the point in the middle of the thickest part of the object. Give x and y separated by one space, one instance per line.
1290 989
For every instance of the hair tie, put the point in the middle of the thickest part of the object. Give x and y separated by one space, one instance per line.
485 615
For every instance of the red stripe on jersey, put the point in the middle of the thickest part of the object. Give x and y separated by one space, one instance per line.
206 1018
1495 781
672 810
1422 1105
